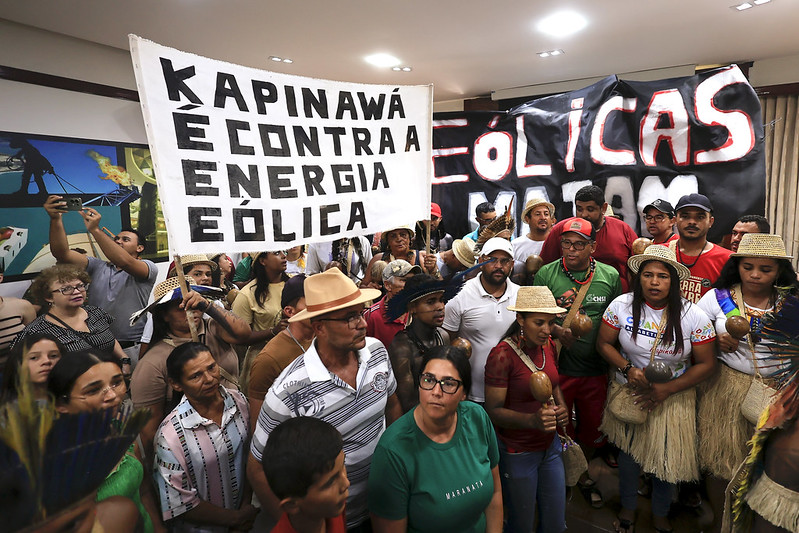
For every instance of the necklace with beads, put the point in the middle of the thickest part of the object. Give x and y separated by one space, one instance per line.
686 265
591 268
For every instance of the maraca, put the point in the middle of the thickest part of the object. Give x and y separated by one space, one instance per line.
533 264
463 344
640 245
737 326
541 387
657 372
581 324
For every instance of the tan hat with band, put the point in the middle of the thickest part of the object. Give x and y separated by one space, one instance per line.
658 252
330 291
536 299
535 202
762 245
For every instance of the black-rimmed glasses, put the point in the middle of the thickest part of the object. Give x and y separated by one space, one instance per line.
577 245
352 320
448 385
655 218
69 289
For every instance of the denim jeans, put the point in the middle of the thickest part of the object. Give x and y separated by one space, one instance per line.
531 478
629 471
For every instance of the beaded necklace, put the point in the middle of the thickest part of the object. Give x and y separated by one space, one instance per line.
591 268
437 340
679 257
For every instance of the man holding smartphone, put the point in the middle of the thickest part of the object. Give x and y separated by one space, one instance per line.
121 285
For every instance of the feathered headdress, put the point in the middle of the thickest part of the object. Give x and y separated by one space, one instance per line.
502 223
49 462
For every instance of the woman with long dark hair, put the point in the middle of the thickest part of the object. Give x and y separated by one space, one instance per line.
258 304
35 355
754 281
650 337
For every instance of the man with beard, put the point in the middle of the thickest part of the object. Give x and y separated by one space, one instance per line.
704 259
479 313
583 372
537 215
659 218
344 378
614 238
748 224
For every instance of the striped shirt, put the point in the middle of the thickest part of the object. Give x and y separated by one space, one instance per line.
99 335
198 460
307 388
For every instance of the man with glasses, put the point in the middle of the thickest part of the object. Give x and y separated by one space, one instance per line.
344 378
485 213
378 325
614 238
659 219
583 372
479 313
122 284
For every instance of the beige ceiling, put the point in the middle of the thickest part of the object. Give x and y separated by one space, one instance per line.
463 47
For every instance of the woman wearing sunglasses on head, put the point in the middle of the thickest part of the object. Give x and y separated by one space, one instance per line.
61 290
435 468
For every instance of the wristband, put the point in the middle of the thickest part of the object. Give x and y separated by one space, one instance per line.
125 360
626 369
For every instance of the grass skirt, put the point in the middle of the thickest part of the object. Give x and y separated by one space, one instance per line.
665 445
723 430
775 503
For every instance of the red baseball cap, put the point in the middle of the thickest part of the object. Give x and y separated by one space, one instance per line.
580 226
435 210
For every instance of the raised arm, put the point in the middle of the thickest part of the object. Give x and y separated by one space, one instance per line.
59 244
113 251
234 330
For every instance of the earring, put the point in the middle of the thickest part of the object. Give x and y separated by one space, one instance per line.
521 335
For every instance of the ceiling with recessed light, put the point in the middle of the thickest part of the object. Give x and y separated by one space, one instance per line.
463 47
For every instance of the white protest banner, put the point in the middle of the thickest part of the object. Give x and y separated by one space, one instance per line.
248 159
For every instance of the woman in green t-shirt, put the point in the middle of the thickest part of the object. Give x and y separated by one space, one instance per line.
436 468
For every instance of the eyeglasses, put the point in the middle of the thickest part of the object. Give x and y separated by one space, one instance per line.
448 385
486 221
577 245
352 320
655 218
504 261
97 390
69 289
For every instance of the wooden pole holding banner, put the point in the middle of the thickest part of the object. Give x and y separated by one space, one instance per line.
429 223
184 290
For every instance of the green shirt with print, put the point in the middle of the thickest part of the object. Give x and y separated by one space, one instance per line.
582 359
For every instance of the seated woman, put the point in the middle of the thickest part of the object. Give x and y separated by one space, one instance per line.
755 281
529 449
149 386
88 381
423 299
35 355
77 325
654 326
436 467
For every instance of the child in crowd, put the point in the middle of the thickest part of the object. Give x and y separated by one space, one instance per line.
304 465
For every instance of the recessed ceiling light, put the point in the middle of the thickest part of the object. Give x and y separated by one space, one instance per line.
275 58
549 53
741 7
543 54
382 60
396 69
760 2
562 24
287 60
556 52
406 69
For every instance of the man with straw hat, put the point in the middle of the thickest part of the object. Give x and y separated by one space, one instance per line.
539 215
584 286
344 378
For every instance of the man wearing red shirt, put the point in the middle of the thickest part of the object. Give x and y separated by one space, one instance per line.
614 238
378 325
704 259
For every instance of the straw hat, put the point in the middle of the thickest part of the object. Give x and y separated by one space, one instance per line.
329 291
395 228
661 253
193 259
535 202
536 299
169 290
762 245
464 251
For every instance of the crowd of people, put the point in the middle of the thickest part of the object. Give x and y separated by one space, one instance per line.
387 384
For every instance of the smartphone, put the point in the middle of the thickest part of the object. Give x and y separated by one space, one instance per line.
74 203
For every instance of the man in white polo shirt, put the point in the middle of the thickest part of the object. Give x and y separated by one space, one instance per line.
344 378
479 313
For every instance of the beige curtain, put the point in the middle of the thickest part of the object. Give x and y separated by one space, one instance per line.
780 115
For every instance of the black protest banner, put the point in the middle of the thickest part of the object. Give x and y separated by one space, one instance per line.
637 140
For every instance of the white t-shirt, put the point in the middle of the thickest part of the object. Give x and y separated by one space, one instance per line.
524 247
321 253
482 320
696 329
740 359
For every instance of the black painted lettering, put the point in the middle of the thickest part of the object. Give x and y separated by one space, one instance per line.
342 178
277 132
386 141
357 215
412 139
307 229
291 101
200 225
264 93
175 82
239 231
228 87
395 105
233 128
303 142
336 133
324 219
185 134
238 180
194 181
277 228
313 174
380 176
372 109
361 138
317 103
280 187
346 103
